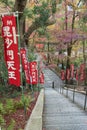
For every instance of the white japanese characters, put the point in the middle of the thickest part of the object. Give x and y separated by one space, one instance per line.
11 49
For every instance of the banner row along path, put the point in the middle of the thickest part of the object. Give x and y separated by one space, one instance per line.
60 113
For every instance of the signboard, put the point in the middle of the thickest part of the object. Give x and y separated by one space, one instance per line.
11 49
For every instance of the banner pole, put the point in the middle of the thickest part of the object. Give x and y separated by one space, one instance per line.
21 86
32 90
38 76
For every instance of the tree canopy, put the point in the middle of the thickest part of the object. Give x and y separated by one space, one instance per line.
60 21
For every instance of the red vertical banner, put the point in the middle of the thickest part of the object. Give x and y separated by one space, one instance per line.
11 49
68 74
82 72
72 70
62 75
41 78
25 64
33 72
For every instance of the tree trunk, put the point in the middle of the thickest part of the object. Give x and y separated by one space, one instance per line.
84 57
62 65
69 49
20 6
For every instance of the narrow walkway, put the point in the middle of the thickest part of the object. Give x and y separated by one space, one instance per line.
59 112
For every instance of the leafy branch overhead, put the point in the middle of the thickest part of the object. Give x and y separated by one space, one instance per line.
40 15
42 18
68 16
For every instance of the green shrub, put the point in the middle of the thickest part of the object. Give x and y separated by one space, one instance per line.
2 111
18 104
23 102
2 121
27 101
11 126
2 124
9 107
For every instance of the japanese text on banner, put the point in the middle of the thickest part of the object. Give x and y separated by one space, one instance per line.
11 49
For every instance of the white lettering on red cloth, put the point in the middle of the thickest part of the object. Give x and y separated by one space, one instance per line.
25 64
33 72
11 49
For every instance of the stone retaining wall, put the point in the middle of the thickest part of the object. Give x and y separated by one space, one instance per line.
35 120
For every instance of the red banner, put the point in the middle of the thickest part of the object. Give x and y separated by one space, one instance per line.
33 72
39 46
68 74
82 72
41 78
11 49
72 70
25 64
62 75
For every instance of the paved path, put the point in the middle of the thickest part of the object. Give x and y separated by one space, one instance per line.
51 77
60 113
